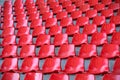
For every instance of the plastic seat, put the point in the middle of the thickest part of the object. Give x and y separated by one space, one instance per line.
31 10
60 39
66 21
106 2
51 22
116 67
116 38
71 29
43 39
54 4
79 39
115 20
71 68
33 16
23 31
108 28
100 68
90 29
8 17
28 2
110 51
66 50
99 38
35 23
107 12
61 76
7 23
9 51
33 76
99 7
61 15
93 2
66 4
57 9
99 20
38 30
47 15
54 30
71 8
49 1
27 51
114 6
87 51
46 51
81 21
84 7
111 77
51 65
44 9
78 3
9 40
10 76
20 16
9 64
61 1
8 31
76 14
91 13
25 39
84 76
22 23
30 64
39 1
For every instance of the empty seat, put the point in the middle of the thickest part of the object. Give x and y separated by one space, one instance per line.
9 51
30 64
54 30
81 21
25 39
10 76
33 76
46 51
38 30
99 38
108 28
66 50
98 65
87 51
116 67
111 77
35 23
51 22
8 31
60 39
27 51
43 39
116 38
84 76
79 39
51 65
110 50
90 29
23 31
71 29
74 65
9 40
57 76
9 64
66 21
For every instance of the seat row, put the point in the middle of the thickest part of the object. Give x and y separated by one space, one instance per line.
59 39
54 30
72 65
57 76
64 51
